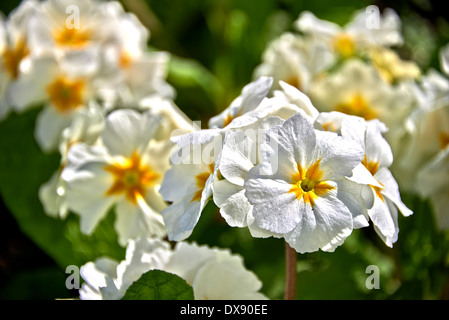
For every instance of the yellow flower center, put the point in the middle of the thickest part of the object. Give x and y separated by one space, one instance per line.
294 81
131 178
357 106
124 60
307 184
201 180
66 94
444 140
13 56
344 44
372 167
75 37
329 126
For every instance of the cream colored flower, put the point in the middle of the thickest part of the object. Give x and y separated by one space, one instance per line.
294 59
356 36
357 89
14 51
125 171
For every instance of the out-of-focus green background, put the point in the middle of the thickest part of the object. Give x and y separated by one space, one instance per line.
216 44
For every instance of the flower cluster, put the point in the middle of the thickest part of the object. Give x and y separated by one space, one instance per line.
304 153
283 169
422 167
107 109
356 69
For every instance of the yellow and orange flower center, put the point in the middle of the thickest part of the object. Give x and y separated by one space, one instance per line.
74 37
13 56
357 106
125 60
294 81
444 140
66 94
344 44
329 126
372 167
131 178
201 180
308 184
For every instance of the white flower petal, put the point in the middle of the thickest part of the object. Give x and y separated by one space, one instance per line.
384 218
233 204
309 23
391 190
275 208
325 228
300 99
234 282
87 183
183 209
49 126
350 194
127 131
132 222
339 156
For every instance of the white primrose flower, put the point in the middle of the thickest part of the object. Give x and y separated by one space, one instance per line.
64 26
187 185
125 170
241 152
375 183
294 59
294 191
356 36
14 51
86 127
197 265
426 131
134 72
357 89
433 182
63 88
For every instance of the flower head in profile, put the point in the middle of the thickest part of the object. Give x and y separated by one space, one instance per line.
125 170
187 185
296 196
372 182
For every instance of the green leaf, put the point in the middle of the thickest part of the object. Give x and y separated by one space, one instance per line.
159 285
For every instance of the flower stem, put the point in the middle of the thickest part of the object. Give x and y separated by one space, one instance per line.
290 268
